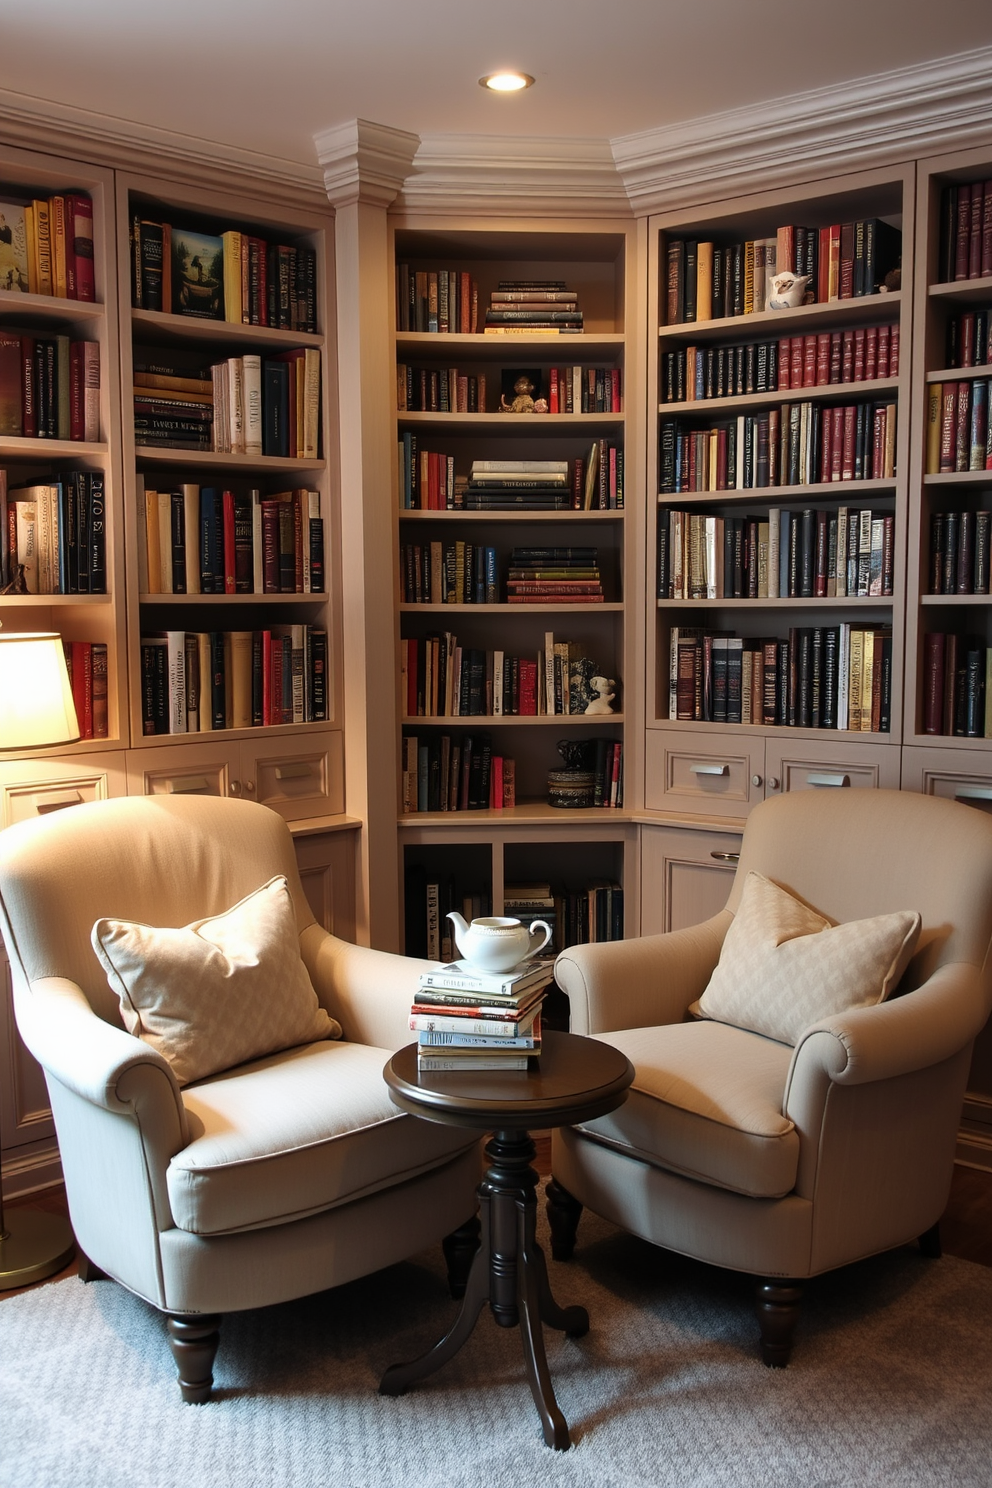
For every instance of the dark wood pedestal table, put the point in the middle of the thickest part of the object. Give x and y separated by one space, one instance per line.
575 1079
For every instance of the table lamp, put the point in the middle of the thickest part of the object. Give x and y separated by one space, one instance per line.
36 712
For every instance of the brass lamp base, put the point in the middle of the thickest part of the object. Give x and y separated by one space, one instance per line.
32 1246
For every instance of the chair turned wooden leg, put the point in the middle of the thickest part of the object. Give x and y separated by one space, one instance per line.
929 1243
86 1269
564 1213
193 1340
459 1252
777 1305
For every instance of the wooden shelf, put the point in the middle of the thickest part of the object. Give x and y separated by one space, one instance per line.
149 455
566 515
515 720
880 307
574 349
191 328
840 392
516 423
607 607
836 490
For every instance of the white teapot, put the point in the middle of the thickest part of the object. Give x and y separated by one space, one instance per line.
496 943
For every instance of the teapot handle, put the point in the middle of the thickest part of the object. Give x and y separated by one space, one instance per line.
535 950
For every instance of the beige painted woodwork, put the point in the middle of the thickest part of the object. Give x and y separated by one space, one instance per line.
686 874
301 778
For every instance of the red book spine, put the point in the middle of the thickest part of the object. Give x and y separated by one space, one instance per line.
229 554
784 364
796 361
528 687
837 455
847 357
823 359
275 681
464 302
986 263
846 261
827 444
871 353
79 247
82 686
266 677
809 361
721 460
884 338
270 548
616 396
933 683
836 356
858 366
847 448
894 352
301 519
553 391
774 435
967 342
496 783
963 237
823 267
29 390
878 444
77 414
975 231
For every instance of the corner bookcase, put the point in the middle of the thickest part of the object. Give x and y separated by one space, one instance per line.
474 854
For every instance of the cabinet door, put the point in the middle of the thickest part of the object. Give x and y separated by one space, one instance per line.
686 875
326 861
191 770
710 774
299 778
956 774
33 788
834 763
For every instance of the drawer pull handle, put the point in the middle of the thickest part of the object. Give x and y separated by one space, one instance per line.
58 803
709 769
822 777
725 857
294 772
973 793
187 785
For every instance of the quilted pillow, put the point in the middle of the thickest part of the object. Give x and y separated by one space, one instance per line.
784 967
217 992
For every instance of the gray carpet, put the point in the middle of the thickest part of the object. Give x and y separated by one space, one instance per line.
891 1384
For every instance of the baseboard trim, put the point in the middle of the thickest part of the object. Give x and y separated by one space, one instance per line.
31 1172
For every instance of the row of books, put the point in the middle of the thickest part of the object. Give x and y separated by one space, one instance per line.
796 444
448 573
959 435
957 685
468 1020
966 231
826 359
194 682
49 387
206 540
53 536
819 676
452 772
247 405
427 481
442 679
445 301
439 390
533 305
968 339
959 552
234 276
581 916
711 281
46 246
808 554
86 663
580 389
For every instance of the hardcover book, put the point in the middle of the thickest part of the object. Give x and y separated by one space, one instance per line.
197 275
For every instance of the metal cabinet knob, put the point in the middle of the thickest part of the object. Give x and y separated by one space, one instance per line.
755 779
773 782
235 788
249 787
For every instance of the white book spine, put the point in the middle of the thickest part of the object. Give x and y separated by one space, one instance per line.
843 674
236 405
91 392
27 542
774 519
252 395
221 421
177 681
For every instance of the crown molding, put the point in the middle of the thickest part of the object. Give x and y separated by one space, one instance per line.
364 162
910 111
518 176
121 144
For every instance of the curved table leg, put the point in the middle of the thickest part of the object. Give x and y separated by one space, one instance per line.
532 1306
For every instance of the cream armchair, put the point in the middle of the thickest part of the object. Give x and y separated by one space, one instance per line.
779 1161
282 1177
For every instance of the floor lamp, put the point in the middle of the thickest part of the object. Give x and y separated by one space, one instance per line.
36 712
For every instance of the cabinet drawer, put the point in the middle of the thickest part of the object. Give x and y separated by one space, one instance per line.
703 772
686 876
32 788
299 781
955 774
834 764
192 770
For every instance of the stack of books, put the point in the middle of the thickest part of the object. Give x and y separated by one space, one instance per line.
500 485
521 307
466 1019
554 576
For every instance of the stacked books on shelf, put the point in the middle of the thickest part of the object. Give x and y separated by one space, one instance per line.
959 552
442 679
206 540
430 390
454 772
194 682
966 231
554 576
533 306
530 485
49 387
427 481
46 246
826 359
822 676
444 301
467 1019
247 405
86 663
959 434
808 554
795 444
711 281
53 535
449 573
233 276
968 339
585 390
957 685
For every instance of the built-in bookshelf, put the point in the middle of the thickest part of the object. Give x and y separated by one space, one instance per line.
233 627
517 494
780 473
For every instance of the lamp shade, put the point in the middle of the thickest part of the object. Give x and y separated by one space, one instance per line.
36 706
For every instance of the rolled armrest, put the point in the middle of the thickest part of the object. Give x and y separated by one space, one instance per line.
102 1064
640 983
369 992
913 1032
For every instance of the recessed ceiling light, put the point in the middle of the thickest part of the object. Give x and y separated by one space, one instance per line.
506 82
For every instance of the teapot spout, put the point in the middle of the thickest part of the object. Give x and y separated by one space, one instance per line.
461 929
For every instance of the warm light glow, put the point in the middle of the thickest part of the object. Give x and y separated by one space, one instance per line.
506 82
36 707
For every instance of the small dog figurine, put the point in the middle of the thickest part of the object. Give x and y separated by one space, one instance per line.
786 291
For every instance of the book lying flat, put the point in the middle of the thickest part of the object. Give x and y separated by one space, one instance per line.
462 976
440 1063
467 1020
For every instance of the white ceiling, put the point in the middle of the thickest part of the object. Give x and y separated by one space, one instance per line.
270 74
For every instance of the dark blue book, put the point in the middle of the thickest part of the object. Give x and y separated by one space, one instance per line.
275 408
211 541
97 533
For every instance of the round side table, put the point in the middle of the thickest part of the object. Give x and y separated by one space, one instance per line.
575 1079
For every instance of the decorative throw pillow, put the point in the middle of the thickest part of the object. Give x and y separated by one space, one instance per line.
783 966
217 992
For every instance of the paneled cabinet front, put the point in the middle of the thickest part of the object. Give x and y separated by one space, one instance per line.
686 875
300 779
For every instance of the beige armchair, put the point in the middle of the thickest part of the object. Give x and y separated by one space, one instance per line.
780 1161
287 1175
